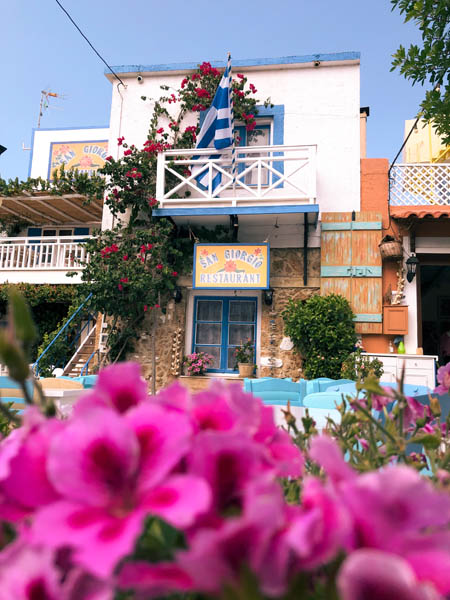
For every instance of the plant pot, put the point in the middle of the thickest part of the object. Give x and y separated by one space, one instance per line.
391 250
246 369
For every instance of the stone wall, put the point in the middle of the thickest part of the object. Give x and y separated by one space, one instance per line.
286 269
286 279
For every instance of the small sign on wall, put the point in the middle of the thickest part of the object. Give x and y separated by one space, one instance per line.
87 157
231 266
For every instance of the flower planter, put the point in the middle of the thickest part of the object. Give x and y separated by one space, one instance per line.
246 369
391 250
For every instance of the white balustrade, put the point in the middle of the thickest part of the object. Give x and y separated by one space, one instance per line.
263 174
420 184
42 253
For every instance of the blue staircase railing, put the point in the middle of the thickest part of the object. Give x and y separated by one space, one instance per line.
35 367
85 369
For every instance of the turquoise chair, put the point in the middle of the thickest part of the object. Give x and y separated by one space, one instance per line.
322 405
277 392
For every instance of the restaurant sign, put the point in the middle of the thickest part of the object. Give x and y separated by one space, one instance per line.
231 266
87 157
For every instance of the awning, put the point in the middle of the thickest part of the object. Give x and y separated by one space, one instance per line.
420 212
263 215
42 208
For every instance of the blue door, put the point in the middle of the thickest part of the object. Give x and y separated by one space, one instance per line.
221 323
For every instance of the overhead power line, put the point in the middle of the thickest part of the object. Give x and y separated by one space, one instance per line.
96 52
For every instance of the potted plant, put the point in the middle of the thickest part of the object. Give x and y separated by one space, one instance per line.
244 359
197 363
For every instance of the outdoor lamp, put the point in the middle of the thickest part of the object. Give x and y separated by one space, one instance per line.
268 297
2 149
411 265
177 295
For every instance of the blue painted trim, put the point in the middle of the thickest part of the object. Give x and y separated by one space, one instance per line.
351 271
30 163
247 62
231 245
351 225
70 128
238 210
225 324
68 142
366 318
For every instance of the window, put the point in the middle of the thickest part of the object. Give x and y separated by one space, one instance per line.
220 325
260 136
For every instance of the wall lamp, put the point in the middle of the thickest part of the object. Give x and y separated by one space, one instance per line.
411 265
177 295
268 297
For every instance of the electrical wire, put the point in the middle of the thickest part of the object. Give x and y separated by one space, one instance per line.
96 52
390 169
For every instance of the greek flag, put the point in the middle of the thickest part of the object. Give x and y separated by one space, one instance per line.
217 129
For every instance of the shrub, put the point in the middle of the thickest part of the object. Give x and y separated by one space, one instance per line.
358 366
323 332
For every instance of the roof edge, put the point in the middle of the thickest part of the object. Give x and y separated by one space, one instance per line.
248 62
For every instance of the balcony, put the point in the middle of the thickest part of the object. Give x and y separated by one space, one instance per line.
419 184
41 259
265 175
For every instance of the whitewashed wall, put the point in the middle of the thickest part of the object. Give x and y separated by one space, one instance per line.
43 138
321 107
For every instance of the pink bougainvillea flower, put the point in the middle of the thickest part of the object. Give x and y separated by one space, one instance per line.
119 386
120 287
443 377
120 140
159 267
24 483
111 472
374 575
322 527
128 152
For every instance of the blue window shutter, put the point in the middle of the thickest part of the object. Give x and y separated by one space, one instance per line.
34 231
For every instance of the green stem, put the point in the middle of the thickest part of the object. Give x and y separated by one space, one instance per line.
377 423
9 415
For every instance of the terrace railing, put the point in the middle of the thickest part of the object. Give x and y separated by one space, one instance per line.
263 174
42 253
420 184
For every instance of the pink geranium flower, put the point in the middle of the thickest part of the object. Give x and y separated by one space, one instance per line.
375 575
24 482
443 377
112 471
322 527
120 386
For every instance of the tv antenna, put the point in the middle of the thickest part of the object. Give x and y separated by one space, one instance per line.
45 103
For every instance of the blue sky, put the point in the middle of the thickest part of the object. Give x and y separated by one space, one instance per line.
41 49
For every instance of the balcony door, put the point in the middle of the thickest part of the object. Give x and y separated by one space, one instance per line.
221 324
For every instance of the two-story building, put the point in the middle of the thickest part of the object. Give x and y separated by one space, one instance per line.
303 165
43 232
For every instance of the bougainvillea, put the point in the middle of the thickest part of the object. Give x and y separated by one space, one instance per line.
122 287
153 496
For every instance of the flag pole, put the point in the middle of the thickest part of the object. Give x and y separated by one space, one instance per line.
233 144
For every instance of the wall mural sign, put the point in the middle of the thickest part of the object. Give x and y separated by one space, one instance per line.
87 157
231 266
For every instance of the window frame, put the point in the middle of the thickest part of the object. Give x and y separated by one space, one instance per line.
225 322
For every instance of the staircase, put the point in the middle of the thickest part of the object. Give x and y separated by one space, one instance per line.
79 331
79 363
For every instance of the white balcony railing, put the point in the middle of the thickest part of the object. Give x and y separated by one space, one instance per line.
420 184
264 174
42 253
